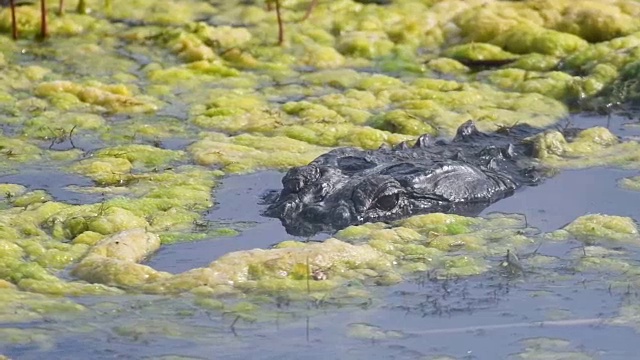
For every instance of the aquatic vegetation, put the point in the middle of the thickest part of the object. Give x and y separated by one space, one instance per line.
114 98
373 252
154 101
589 228
632 183
590 147
372 332
114 260
550 348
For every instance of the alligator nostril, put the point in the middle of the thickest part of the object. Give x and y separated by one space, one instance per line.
289 209
341 216
297 178
284 209
293 185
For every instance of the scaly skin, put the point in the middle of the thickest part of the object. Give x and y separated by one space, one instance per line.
348 186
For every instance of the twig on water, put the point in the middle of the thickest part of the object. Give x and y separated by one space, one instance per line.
309 10
14 27
308 276
540 324
44 33
233 325
280 24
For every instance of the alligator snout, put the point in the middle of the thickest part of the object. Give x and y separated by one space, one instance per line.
340 215
307 220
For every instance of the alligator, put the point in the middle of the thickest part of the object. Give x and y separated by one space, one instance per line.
350 186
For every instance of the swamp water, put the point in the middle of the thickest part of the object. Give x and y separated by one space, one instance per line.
551 308
175 116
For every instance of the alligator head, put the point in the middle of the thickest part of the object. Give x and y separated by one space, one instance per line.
348 186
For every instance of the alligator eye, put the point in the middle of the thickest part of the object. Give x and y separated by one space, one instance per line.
387 202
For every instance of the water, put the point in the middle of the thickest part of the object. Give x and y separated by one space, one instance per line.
55 183
482 317
570 194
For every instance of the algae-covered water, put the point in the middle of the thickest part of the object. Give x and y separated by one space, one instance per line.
138 139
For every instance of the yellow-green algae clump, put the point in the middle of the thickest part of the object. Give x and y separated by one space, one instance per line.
445 245
590 228
450 245
549 348
114 98
39 236
114 260
595 146
631 183
244 153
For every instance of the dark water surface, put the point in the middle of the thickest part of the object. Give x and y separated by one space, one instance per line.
570 194
55 183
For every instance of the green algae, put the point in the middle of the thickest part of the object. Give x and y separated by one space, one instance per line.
114 260
631 183
41 339
115 219
446 66
526 39
282 268
629 315
19 306
399 121
591 228
623 90
477 52
10 191
30 198
598 22
549 348
440 224
62 288
29 22
168 76
245 153
372 332
599 264
591 147
143 155
115 97
536 62
105 171
368 44
17 151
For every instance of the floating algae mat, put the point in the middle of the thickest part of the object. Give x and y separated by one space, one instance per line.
137 111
